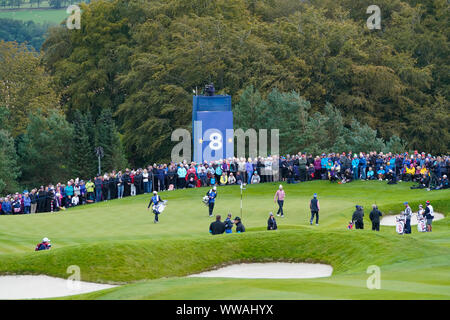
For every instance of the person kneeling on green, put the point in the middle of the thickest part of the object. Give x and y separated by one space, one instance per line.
239 226
217 227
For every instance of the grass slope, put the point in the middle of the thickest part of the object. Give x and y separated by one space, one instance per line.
117 242
52 16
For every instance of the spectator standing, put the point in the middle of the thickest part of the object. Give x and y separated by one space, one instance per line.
374 216
33 198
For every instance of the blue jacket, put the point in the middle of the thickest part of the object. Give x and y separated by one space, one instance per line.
212 196
363 162
355 163
181 172
26 201
6 207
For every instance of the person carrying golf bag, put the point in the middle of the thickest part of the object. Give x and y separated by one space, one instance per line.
408 214
279 197
154 201
212 194
315 208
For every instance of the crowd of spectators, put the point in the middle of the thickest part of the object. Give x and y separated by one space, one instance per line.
427 171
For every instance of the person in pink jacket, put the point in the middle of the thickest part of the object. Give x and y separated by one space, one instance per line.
279 197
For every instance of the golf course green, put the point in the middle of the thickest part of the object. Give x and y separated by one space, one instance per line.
46 16
116 242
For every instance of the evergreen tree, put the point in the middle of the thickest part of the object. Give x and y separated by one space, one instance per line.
45 149
83 160
9 168
108 138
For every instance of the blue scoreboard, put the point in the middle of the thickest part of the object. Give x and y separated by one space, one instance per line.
212 127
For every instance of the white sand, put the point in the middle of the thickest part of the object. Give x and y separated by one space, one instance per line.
276 270
32 287
390 220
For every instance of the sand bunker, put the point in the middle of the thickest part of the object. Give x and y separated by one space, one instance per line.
277 270
32 287
390 220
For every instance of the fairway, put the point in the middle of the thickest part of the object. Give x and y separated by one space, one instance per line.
116 242
51 16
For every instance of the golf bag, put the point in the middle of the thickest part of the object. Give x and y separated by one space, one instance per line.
421 223
205 200
350 225
159 207
400 224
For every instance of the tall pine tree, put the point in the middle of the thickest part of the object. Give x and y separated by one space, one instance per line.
108 138
83 160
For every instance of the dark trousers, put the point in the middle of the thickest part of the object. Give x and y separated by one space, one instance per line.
302 174
376 225
161 184
359 224
181 183
156 216
314 213
280 207
211 208
98 194
408 226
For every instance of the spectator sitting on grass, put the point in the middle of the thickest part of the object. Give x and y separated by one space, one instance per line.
231 178
255 178
239 226
223 179
271 223
381 173
370 174
217 227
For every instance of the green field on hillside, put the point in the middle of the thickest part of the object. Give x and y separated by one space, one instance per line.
51 16
117 242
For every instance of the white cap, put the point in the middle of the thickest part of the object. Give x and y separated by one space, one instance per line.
281 187
154 192
46 240
214 188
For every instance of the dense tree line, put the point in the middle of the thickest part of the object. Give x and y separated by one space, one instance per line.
38 144
23 32
143 58
314 64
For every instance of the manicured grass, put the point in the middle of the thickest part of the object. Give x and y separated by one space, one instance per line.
51 16
117 242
